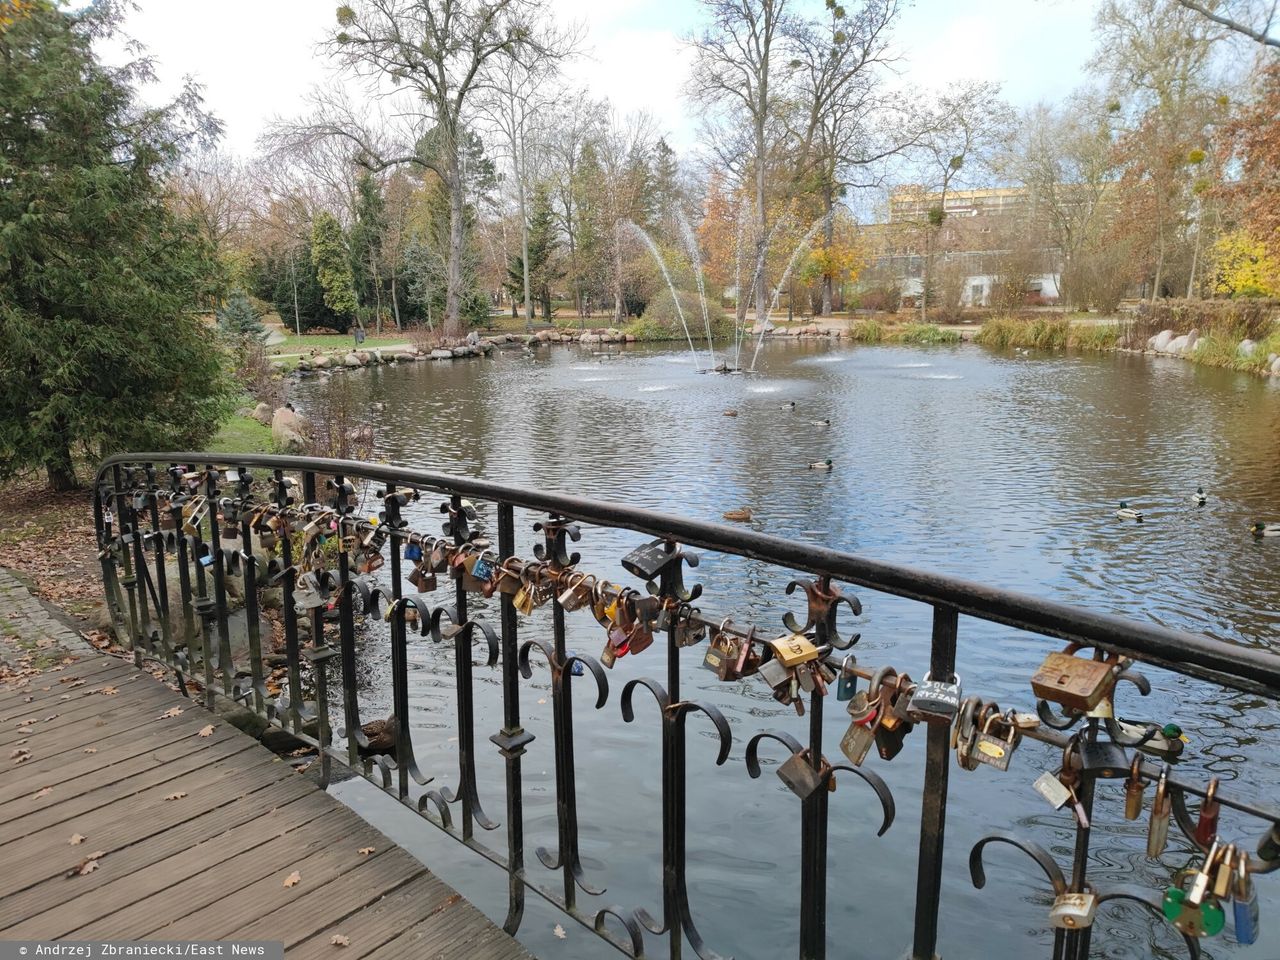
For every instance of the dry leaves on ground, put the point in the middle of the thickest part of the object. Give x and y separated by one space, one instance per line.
293 879
176 796
87 865
43 792
52 716
170 713
90 749
20 754
338 940
365 851
206 731
76 839
559 932
108 691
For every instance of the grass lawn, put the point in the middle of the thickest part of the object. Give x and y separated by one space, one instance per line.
309 342
242 435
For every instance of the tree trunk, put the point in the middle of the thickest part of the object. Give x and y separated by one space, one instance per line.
395 301
453 284
619 315
293 278
829 235
924 277
59 468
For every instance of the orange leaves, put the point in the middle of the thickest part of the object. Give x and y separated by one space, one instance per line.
87 865
171 713
206 731
293 879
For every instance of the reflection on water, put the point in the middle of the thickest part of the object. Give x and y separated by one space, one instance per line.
1001 469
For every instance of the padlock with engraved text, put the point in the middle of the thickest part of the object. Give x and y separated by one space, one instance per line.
1075 682
576 592
935 701
993 750
1073 911
794 649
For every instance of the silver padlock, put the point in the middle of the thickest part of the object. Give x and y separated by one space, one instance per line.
1052 789
1073 911
933 701
797 774
858 739
306 593
774 673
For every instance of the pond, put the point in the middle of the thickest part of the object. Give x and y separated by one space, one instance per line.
1001 468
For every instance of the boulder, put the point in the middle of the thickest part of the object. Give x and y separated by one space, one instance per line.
1160 343
303 366
631 338
441 354
1246 347
320 362
461 351
363 356
405 357
262 413
351 360
543 335
1192 339
590 338
289 431
1177 345
613 331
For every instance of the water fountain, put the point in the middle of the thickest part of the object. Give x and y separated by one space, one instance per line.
695 257
786 275
662 265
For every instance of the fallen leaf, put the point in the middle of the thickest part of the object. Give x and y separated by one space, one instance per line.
293 879
559 932
42 793
27 699
543 700
108 691
18 753
366 850
206 731
176 796
76 839
52 716
22 758
90 749
338 940
77 683
88 867
171 712
27 722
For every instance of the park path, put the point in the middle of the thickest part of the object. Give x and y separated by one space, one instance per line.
128 812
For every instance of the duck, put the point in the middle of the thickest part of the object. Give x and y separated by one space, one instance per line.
821 423
741 515
1169 742
821 464
1261 529
1199 498
378 407
1127 512
731 413
381 735
789 405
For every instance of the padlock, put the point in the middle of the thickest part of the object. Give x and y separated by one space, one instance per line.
1161 809
1134 789
1245 902
608 656
412 552
690 630
575 593
990 749
773 673
1202 882
306 593
1204 920
934 701
647 561
1207 824
369 563
1073 911
1102 758
857 740
1225 872
423 582
805 675
508 580
794 649
847 684
523 599
799 775
1076 683
1052 789
481 569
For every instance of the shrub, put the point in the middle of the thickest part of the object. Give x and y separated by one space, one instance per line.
1094 336
1253 319
866 331
662 322
924 333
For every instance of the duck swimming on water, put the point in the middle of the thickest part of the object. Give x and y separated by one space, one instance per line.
741 515
1199 498
1127 512
821 464
1266 529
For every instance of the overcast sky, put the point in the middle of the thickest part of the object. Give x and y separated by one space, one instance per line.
257 58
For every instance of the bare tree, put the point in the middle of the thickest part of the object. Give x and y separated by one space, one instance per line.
734 71
578 121
437 55
1254 20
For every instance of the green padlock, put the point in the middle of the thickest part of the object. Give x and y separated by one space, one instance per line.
1205 920
847 684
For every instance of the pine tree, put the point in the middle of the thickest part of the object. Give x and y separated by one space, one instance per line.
239 322
333 267
102 350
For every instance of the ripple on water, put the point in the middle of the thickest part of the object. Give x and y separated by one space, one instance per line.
937 376
763 389
658 388
909 366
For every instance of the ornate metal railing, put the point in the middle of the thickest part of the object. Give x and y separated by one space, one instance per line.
293 523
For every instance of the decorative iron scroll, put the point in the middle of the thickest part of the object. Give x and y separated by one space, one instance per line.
296 524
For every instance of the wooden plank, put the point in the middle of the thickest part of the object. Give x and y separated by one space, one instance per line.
45 853
13 697
368 882
49 769
155 878
424 897
119 780
130 704
223 890
209 826
467 937
240 908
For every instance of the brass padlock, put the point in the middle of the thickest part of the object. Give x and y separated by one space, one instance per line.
799 775
864 717
1075 682
992 750
794 649
576 592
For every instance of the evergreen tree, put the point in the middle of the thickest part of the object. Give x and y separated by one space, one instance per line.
238 321
365 243
333 267
543 244
98 277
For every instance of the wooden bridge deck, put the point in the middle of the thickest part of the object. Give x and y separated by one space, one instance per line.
124 816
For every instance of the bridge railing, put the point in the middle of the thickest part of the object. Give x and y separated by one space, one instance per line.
246 524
